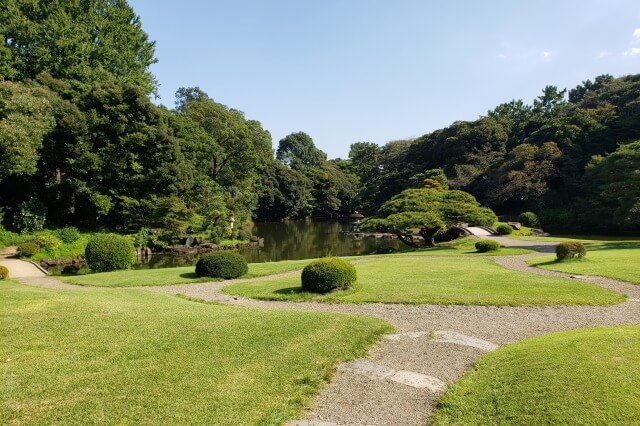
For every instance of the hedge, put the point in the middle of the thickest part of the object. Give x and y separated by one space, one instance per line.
109 252
222 264
324 275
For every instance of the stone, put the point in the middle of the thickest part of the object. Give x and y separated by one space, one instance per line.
418 380
464 340
368 369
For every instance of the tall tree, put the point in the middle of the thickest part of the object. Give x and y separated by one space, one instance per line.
298 151
85 40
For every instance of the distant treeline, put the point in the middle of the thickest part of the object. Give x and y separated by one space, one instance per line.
81 143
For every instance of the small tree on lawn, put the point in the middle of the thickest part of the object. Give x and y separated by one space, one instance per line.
425 211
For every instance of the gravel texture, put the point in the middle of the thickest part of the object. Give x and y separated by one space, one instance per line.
355 399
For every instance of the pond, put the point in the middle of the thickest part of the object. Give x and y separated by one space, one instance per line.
292 240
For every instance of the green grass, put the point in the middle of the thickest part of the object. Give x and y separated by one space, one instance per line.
466 280
461 247
613 259
169 276
124 356
576 377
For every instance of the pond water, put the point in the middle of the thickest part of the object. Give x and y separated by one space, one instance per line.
292 240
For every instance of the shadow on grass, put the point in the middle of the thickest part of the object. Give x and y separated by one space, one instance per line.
189 275
289 290
614 245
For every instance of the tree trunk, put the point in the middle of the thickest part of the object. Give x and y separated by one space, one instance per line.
429 234
407 240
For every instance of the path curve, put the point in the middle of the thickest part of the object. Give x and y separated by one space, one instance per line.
401 379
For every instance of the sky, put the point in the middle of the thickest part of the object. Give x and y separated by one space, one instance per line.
346 71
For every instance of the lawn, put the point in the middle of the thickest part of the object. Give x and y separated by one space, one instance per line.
125 356
169 276
429 280
577 377
613 259
462 247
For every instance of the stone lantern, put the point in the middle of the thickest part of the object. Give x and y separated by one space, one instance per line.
355 221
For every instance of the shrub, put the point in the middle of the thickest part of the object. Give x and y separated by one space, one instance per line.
4 272
28 249
324 275
529 219
504 229
570 250
222 264
30 216
109 252
484 246
47 241
68 234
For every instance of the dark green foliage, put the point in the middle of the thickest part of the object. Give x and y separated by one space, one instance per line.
529 219
424 212
222 264
327 274
109 252
68 234
4 272
28 249
31 216
298 151
570 250
484 246
504 229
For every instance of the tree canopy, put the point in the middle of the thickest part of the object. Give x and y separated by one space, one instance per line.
417 215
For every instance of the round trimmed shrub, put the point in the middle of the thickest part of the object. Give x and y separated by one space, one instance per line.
68 234
529 219
484 246
570 250
324 275
109 252
222 264
28 249
4 272
504 229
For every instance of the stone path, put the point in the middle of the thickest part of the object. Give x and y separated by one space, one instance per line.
401 379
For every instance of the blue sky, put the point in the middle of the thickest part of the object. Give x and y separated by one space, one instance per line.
372 70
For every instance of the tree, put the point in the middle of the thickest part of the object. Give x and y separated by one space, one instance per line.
84 40
298 151
25 118
284 193
417 215
615 183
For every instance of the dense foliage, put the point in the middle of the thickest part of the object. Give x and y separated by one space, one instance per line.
484 246
570 250
222 264
504 229
28 249
417 215
82 144
109 252
529 219
327 274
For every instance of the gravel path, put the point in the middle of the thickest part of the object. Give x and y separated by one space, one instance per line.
432 344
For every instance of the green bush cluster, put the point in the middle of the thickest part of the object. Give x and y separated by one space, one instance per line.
504 229
68 234
529 219
324 275
570 250
484 246
222 264
47 241
109 252
4 272
28 249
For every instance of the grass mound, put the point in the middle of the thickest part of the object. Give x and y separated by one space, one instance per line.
120 356
449 280
577 377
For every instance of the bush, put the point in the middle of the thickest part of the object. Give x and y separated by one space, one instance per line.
28 249
570 250
529 219
504 229
30 216
68 234
222 264
4 272
47 241
109 252
484 246
324 275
